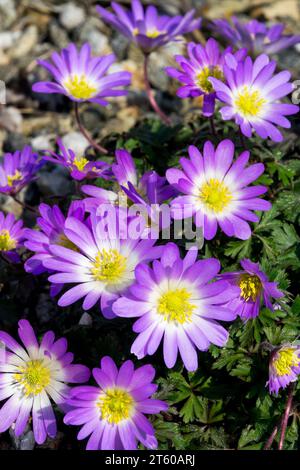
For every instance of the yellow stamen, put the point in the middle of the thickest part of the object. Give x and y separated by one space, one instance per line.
109 266
79 87
115 405
215 195
249 103
284 360
175 306
154 33
6 242
80 163
250 286
34 377
202 78
17 176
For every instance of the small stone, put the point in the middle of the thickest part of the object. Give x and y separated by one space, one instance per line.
25 441
41 142
99 42
56 182
25 43
11 119
44 308
8 13
58 35
120 45
71 16
86 319
76 141
7 39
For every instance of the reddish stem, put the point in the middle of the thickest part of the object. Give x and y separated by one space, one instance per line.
285 417
86 134
150 94
271 438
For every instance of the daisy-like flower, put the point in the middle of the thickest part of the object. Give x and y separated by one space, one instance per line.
12 235
256 36
82 77
216 190
113 412
284 367
252 93
255 289
147 28
202 62
78 165
176 300
30 376
104 265
50 231
18 169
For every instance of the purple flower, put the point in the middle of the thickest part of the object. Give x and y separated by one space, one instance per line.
146 28
81 77
254 288
113 412
51 231
78 165
175 299
203 62
104 265
30 376
147 193
18 169
216 190
257 37
251 94
12 235
284 367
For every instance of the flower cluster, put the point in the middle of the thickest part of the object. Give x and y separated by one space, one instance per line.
93 249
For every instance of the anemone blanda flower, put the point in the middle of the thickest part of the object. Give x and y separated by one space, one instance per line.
251 94
50 231
113 412
30 376
255 288
147 193
284 367
202 62
147 28
104 265
18 169
78 165
175 300
12 235
82 77
256 36
216 191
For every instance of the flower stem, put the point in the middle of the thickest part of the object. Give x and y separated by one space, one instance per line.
150 94
212 126
84 132
271 438
286 415
24 205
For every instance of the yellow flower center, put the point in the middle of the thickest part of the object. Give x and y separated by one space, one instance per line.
249 103
6 242
250 286
34 377
154 33
202 78
284 360
109 266
175 306
80 163
115 405
17 176
79 87
215 195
